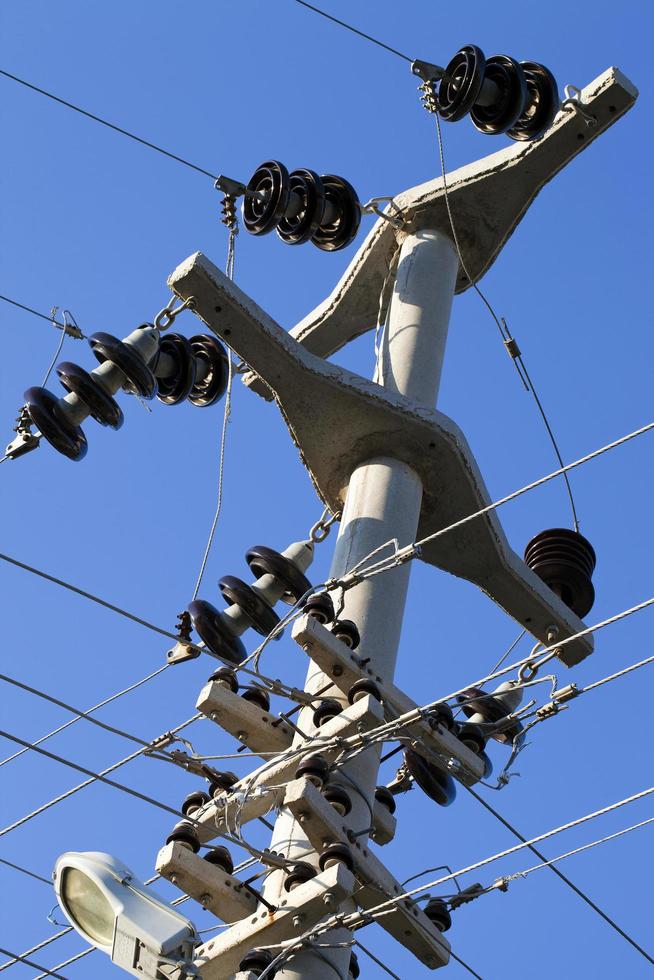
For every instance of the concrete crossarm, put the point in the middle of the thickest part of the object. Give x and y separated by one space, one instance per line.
339 420
488 199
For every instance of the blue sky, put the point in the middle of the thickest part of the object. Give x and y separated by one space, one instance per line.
95 223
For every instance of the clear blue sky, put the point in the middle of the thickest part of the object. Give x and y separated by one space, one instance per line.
95 223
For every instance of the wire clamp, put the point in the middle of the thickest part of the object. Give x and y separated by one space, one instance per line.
166 317
565 694
427 71
429 97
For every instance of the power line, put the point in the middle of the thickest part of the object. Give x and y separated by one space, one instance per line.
89 772
43 316
25 871
578 850
76 711
507 340
412 551
35 949
87 782
355 30
73 959
89 711
89 595
593 905
109 125
22 959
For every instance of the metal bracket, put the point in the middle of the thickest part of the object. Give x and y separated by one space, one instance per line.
427 71
230 187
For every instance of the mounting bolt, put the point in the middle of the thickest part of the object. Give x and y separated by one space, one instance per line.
329 900
298 919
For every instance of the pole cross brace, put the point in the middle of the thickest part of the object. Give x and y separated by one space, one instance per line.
256 794
406 921
338 662
339 420
488 199
221 893
260 730
311 901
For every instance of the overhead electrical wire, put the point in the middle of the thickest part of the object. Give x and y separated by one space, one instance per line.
355 30
109 125
547 863
76 711
87 782
89 711
36 966
49 319
26 871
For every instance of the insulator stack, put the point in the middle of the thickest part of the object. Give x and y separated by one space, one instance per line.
301 206
564 560
500 94
173 368
280 576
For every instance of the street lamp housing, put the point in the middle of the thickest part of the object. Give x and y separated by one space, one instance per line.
110 908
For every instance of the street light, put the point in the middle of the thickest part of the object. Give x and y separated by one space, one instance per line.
112 910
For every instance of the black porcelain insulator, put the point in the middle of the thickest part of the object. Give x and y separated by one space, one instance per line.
299 228
208 350
438 785
139 378
384 796
326 710
338 797
256 961
226 676
256 695
315 768
565 561
300 872
175 389
254 607
342 229
437 912
267 561
542 104
194 801
44 410
347 632
221 857
102 407
214 632
184 833
321 607
334 853
266 197
361 688
461 83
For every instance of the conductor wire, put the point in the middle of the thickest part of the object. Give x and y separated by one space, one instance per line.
502 329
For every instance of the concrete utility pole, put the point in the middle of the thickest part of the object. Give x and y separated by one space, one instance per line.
397 468
382 502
